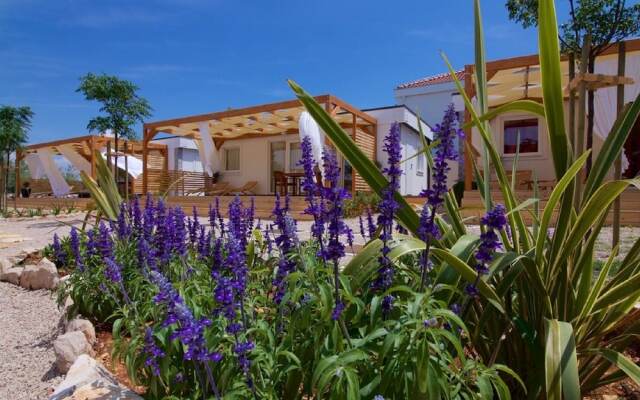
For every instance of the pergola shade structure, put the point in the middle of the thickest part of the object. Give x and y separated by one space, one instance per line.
519 78
264 121
80 152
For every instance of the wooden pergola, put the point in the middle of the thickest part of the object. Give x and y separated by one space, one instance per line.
262 121
86 146
519 78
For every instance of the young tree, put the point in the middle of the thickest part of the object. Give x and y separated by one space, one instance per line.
594 24
121 105
15 122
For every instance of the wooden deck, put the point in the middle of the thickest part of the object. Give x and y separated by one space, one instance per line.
629 215
263 204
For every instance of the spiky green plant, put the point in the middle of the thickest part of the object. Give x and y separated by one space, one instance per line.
542 311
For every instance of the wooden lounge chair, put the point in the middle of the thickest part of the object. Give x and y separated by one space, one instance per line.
213 190
246 189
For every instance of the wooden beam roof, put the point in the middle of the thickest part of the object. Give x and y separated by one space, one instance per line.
265 119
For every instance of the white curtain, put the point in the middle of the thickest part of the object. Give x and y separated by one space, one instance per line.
79 162
209 155
56 180
308 127
605 99
36 169
134 165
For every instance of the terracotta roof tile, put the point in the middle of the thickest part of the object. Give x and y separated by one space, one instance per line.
431 80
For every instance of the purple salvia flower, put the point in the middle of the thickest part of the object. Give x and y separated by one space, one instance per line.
136 215
58 252
189 330
220 217
179 232
74 243
388 207
445 133
105 244
153 352
310 189
493 221
112 271
92 244
148 219
216 259
193 225
286 241
334 196
123 229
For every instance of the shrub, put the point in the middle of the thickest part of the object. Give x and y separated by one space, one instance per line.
240 310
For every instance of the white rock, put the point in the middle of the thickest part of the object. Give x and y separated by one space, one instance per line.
84 326
5 264
69 347
12 275
88 379
43 275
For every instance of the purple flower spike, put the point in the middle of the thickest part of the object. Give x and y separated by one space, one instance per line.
493 221
153 352
74 242
388 208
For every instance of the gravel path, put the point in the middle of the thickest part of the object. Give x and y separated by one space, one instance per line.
28 325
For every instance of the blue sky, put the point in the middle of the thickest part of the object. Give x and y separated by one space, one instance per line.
195 56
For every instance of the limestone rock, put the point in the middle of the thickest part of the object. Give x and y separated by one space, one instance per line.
88 379
43 275
5 265
84 326
12 275
69 347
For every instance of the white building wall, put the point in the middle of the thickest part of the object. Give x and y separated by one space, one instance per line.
412 181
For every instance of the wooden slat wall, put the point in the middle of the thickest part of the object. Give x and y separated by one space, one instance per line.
367 143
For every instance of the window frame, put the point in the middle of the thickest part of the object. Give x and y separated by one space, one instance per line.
519 117
226 159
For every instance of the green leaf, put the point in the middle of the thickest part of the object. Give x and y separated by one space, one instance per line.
528 106
470 275
561 362
625 364
551 79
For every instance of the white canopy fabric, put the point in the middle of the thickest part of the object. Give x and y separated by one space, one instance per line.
134 165
36 169
308 127
605 99
58 185
79 162
209 155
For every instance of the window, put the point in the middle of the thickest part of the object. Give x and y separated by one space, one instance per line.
295 154
420 167
232 159
528 131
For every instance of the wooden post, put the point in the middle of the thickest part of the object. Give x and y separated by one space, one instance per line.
92 156
468 156
572 102
354 133
145 156
18 183
126 171
582 110
617 173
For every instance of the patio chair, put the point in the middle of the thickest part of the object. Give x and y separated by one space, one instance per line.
217 189
282 183
246 189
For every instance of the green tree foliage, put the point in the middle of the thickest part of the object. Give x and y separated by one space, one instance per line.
15 123
122 107
608 21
